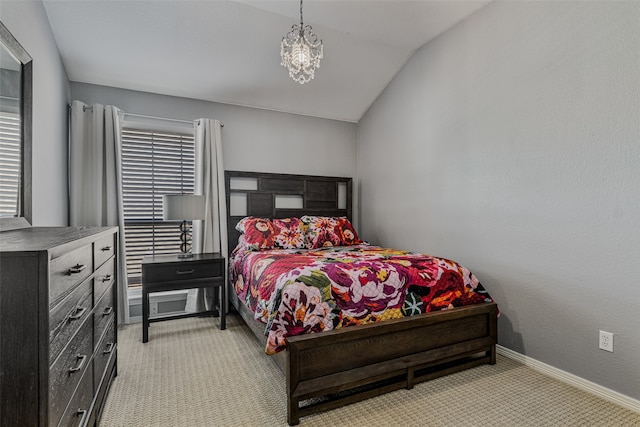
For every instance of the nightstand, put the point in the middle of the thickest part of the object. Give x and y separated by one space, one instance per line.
169 273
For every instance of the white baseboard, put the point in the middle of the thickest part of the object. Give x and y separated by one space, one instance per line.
574 380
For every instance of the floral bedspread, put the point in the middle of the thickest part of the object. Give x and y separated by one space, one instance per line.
299 291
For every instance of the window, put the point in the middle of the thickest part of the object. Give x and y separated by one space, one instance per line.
10 164
154 163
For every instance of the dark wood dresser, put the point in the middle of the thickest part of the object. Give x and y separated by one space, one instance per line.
58 335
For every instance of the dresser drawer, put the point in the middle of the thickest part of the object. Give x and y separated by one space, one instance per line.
67 271
103 249
77 413
103 377
106 349
66 318
103 315
67 370
103 279
171 272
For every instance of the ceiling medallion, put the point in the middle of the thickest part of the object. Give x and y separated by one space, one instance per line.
301 51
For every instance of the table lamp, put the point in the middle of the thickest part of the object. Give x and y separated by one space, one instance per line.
183 207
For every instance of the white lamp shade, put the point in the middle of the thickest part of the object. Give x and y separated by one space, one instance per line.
180 207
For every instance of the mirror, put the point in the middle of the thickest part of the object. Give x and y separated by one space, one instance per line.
15 133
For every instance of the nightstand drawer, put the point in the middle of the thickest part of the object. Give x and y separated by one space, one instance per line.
181 271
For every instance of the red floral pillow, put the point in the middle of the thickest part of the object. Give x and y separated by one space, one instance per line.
347 233
259 233
290 233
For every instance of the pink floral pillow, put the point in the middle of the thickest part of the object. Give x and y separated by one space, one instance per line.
329 231
259 233
320 231
290 233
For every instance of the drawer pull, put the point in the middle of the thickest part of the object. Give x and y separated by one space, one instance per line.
78 313
82 358
106 278
107 311
185 272
84 414
106 249
109 348
76 269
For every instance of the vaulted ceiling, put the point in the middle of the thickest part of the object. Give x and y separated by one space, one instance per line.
229 51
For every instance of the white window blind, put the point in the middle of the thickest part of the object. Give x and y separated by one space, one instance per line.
153 164
10 164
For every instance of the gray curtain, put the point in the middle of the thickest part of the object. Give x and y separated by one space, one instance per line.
95 179
209 235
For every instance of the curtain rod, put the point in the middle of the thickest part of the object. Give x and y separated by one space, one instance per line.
88 107
163 118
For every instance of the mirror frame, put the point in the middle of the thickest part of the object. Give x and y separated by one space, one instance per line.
24 217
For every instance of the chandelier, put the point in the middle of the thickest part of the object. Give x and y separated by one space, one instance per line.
301 52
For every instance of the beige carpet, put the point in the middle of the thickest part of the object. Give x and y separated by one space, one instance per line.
191 373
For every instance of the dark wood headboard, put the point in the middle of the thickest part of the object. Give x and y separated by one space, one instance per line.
301 194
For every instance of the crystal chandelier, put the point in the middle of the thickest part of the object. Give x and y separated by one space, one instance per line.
301 52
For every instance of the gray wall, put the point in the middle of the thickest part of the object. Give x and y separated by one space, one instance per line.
28 23
252 139
510 143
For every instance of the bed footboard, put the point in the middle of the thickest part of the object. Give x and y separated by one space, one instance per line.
335 368
339 367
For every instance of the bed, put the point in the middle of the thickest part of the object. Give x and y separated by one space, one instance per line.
342 365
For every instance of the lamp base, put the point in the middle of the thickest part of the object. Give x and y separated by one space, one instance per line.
184 241
182 255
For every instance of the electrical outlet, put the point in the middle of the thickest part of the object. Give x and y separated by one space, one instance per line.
154 308
606 341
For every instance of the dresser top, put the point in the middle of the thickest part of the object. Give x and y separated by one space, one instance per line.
34 239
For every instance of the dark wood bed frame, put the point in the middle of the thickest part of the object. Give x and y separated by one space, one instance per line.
334 368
